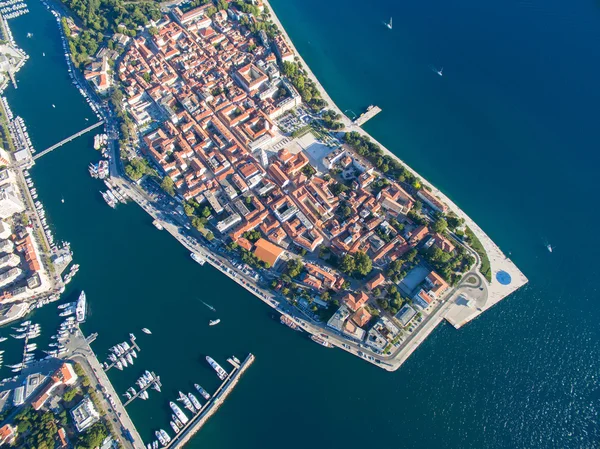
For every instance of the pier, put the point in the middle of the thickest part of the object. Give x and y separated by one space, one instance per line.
68 139
155 380
117 416
134 346
371 112
213 404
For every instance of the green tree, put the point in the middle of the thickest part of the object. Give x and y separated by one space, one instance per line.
363 262
70 394
347 264
439 225
167 185
294 268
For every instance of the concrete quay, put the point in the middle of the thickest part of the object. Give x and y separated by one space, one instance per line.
371 112
116 414
213 404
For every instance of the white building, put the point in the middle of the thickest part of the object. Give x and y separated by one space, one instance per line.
4 230
10 203
85 414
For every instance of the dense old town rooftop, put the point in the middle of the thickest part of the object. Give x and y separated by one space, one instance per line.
206 95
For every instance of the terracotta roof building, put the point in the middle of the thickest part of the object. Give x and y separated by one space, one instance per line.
267 251
376 281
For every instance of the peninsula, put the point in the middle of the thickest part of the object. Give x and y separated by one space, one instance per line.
220 131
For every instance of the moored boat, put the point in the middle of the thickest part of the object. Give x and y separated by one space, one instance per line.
218 368
322 342
202 391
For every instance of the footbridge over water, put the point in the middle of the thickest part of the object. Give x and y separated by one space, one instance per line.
68 139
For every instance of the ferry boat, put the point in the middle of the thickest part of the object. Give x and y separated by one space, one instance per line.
322 342
214 322
178 412
195 401
197 258
220 371
289 323
81 307
202 391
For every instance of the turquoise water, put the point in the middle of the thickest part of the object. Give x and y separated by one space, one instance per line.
509 133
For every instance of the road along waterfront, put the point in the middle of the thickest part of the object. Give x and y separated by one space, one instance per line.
472 388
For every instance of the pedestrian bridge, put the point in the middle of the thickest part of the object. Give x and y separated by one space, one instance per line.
68 139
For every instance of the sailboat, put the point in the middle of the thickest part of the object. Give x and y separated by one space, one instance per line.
440 72
389 25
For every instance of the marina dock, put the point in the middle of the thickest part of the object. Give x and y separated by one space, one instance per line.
155 380
213 404
371 112
134 346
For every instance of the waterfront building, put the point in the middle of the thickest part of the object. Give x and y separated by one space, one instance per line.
10 201
19 395
85 414
65 375
432 201
405 315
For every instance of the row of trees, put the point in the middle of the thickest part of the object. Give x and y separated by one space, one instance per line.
386 163
331 120
305 86
138 167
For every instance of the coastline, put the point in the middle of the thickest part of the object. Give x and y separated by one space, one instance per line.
455 312
498 261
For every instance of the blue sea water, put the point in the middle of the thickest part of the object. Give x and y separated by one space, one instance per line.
509 133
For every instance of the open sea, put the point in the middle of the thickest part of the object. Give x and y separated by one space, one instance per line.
510 133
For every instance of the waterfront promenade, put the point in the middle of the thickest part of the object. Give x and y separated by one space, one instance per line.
497 291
